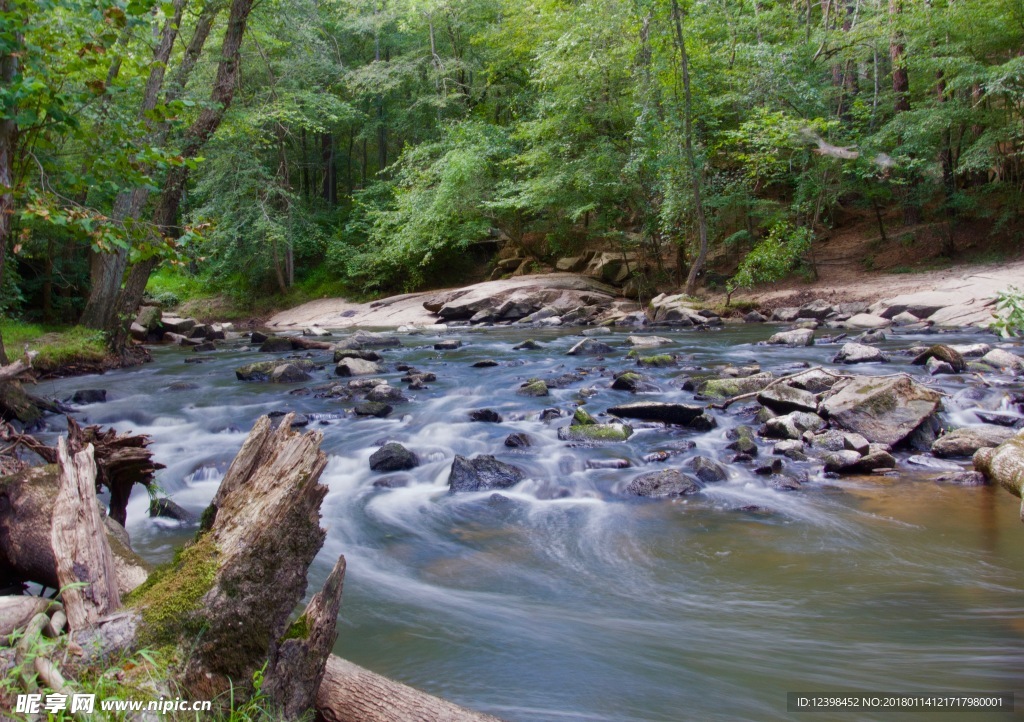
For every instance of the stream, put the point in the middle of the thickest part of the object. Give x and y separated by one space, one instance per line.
562 599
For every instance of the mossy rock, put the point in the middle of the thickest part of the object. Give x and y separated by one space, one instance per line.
656 361
533 387
582 418
595 432
729 387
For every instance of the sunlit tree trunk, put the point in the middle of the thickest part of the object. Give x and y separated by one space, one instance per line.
8 139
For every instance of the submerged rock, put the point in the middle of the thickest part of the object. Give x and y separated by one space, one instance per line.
708 470
485 415
276 344
482 473
168 509
533 387
590 347
665 483
373 408
89 396
518 441
632 382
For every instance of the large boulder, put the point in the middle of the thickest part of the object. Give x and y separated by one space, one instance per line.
866 321
367 339
965 441
944 353
562 292
1004 465
882 410
276 344
149 318
289 373
681 414
666 483
482 473
393 457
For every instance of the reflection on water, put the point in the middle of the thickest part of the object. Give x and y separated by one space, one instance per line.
560 600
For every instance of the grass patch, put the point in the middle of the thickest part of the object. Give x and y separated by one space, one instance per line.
56 346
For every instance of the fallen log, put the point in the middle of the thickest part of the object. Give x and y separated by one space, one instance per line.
1004 465
26 520
350 693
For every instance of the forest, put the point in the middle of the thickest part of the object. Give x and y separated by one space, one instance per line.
345 147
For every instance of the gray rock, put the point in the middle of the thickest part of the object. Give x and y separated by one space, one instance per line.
754 317
257 337
871 337
904 319
681 414
356 367
363 354
661 484
707 470
856 442
175 324
797 337
858 353
276 344
485 415
965 441
1005 361
393 457
148 318
448 345
818 310
167 509
647 341
786 314
204 347
940 352
632 382
386 393
842 461
527 345
782 399
518 441
813 380
792 425
482 473
288 373
936 367
367 339
373 408
882 410
742 441
972 350
262 370
590 347
866 321
89 396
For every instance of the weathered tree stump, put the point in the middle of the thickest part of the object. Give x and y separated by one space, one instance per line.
79 542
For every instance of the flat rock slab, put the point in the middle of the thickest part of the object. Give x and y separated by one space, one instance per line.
663 484
965 441
882 410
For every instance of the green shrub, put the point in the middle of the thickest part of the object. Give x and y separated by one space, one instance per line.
1009 315
773 258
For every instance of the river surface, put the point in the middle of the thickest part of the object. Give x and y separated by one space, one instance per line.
563 600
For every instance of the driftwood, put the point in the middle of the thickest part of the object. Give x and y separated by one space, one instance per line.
1004 465
349 693
26 517
122 460
85 564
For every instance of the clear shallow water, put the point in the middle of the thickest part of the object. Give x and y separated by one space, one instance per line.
561 600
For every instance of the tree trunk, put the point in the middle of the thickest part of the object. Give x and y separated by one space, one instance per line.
900 79
106 270
8 139
165 216
79 541
349 693
695 173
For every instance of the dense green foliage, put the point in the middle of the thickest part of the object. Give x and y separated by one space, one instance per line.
388 145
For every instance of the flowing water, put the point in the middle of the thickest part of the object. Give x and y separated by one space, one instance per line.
563 600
